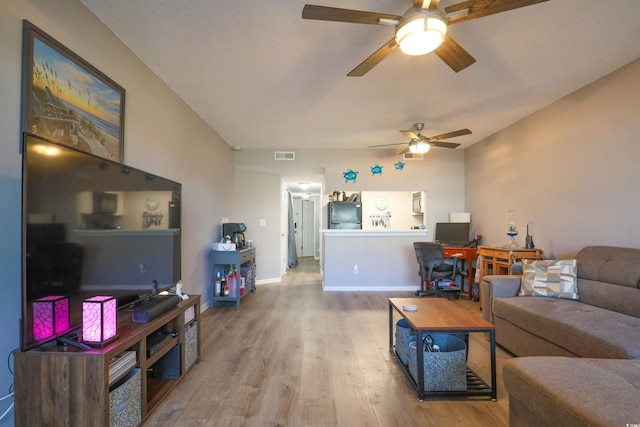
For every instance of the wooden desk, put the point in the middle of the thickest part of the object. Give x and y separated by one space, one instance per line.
468 254
499 260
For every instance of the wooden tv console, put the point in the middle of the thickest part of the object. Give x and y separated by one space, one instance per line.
61 386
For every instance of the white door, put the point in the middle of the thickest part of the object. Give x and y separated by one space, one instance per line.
308 214
303 220
297 220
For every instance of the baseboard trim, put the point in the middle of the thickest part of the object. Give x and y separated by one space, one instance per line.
369 288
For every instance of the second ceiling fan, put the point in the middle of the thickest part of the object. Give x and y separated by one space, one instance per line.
421 144
422 29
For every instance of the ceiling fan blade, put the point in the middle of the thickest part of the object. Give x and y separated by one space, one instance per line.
480 8
323 13
444 144
405 151
450 135
410 134
373 60
453 54
426 4
387 145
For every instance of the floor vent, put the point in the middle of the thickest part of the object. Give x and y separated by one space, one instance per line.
413 156
284 155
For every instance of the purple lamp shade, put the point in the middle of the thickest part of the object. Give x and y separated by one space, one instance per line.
50 316
99 319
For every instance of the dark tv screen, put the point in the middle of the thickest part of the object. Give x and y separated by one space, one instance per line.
453 233
91 227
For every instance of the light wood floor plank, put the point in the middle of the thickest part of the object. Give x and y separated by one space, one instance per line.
294 355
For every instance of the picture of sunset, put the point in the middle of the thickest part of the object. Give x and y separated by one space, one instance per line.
72 105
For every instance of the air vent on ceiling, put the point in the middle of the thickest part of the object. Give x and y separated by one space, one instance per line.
284 155
412 156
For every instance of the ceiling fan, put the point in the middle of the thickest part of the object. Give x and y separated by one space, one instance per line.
421 144
422 28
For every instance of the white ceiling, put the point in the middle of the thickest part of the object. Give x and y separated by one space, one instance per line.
264 78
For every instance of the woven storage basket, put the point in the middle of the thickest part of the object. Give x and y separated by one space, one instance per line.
403 332
445 370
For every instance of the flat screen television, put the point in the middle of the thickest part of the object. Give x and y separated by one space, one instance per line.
453 233
91 227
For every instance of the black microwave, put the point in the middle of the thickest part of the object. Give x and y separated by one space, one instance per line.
105 203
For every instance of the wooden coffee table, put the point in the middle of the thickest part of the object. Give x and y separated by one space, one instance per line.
439 315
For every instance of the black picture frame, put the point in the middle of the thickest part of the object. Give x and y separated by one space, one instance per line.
67 100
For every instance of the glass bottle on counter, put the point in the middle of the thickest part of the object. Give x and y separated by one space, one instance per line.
224 289
232 281
218 287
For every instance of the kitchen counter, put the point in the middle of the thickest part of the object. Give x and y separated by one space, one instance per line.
362 233
370 260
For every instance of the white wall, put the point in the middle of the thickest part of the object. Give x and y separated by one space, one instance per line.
571 171
440 174
162 135
258 204
371 260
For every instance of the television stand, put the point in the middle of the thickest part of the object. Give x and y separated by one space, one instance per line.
118 384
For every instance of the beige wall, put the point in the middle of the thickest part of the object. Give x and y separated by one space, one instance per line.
571 171
257 204
162 135
440 175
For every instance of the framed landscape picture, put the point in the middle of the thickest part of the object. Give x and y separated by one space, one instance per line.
67 100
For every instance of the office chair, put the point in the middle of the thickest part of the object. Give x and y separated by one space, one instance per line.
434 269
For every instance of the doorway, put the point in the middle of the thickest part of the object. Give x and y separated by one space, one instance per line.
303 218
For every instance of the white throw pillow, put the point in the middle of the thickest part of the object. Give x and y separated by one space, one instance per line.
549 278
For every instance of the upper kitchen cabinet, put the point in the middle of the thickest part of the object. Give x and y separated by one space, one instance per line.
417 202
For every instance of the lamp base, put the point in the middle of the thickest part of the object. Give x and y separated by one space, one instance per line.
102 343
512 241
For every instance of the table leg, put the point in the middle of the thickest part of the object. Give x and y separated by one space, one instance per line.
494 388
390 328
469 279
420 362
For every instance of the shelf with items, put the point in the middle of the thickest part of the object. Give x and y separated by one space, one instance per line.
115 385
123 363
242 260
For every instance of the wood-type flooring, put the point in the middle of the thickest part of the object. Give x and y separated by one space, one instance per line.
294 355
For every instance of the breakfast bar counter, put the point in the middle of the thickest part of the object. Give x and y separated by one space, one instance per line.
370 260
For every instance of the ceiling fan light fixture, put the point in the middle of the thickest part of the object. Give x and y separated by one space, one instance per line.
419 147
420 32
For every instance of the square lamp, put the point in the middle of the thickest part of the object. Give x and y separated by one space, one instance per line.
99 320
50 316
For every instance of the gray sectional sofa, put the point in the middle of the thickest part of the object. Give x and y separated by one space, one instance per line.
566 382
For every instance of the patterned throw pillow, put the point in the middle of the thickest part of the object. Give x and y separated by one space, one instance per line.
549 278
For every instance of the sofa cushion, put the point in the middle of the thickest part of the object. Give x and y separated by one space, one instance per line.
580 329
549 278
566 391
622 299
620 266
